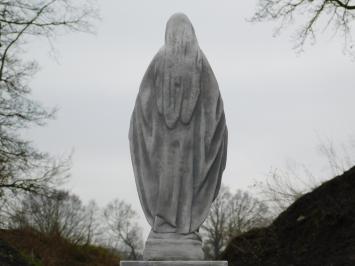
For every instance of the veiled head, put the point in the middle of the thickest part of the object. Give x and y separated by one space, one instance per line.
180 33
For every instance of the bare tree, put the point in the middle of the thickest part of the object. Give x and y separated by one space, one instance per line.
60 215
231 215
22 167
43 181
313 15
284 186
246 213
214 229
122 225
93 225
339 157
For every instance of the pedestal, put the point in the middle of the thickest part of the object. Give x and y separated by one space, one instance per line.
173 247
174 263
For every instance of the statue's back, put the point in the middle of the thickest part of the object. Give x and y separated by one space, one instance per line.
178 140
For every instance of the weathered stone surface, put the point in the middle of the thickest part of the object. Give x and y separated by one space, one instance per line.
173 246
178 141
173 263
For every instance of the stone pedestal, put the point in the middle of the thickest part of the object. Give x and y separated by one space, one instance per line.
173 247
174 263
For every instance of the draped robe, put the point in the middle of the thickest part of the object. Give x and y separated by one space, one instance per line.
178 134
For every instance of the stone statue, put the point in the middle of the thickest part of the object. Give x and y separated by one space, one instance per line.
178 142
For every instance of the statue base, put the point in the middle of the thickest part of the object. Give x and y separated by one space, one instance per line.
174 263
173 247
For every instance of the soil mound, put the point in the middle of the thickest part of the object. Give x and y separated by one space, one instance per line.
317 229
27 247
11 257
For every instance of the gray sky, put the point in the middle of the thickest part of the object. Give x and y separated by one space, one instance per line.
276 102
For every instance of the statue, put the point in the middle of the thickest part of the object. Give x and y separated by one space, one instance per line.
178 142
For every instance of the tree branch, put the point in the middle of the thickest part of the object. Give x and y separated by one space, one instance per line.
343 5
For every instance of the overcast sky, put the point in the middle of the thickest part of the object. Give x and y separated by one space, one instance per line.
276 101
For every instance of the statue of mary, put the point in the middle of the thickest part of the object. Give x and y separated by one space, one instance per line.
178 142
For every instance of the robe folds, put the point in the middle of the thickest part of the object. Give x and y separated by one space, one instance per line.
178 134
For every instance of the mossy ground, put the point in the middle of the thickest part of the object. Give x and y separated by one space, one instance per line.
318 229
27 247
